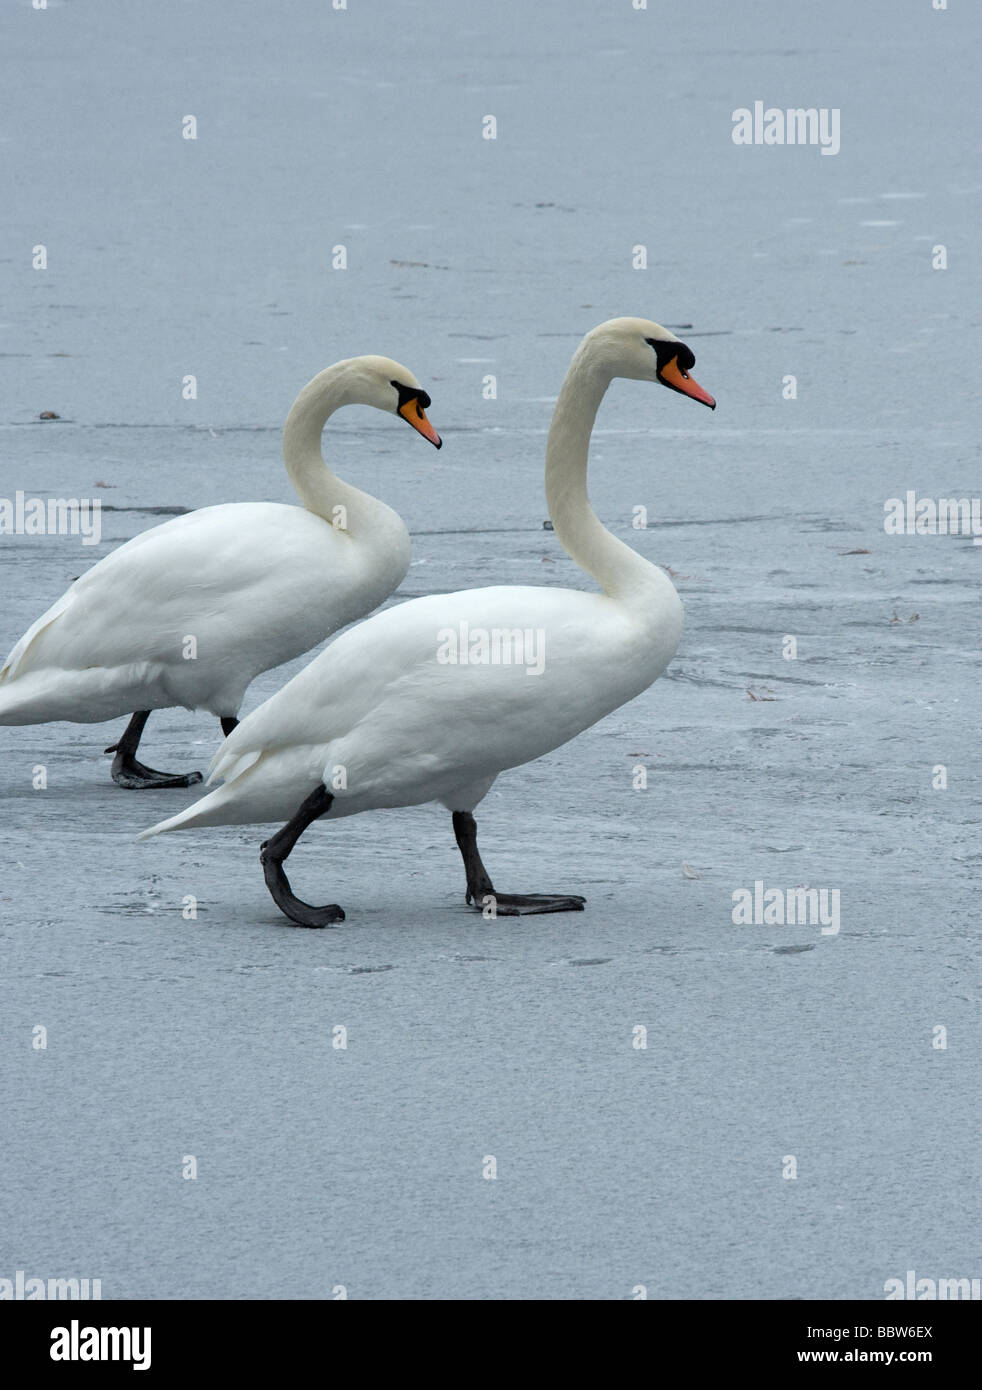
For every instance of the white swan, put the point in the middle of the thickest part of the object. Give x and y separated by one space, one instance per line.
254 584
387 716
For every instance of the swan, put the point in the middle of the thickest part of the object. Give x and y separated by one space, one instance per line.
411 705
189 612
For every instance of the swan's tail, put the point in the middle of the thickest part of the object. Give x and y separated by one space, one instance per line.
19 705
260 788
83 697
210 810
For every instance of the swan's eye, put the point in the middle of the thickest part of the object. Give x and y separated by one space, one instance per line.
665 351
413 401
411 393
674 361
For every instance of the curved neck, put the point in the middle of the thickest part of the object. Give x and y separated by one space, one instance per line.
620 571
320 490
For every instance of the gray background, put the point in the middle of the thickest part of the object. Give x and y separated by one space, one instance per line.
166 1037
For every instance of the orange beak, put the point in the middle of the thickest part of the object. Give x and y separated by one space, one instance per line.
672 375
414 414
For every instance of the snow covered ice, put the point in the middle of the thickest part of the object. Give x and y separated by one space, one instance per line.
842 348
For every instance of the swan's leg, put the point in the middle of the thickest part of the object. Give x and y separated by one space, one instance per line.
127 772
273 851
480 887
229 722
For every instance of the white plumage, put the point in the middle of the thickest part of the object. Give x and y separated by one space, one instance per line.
381 718
254 584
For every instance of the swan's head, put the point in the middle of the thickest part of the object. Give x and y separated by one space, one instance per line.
387 385
644 351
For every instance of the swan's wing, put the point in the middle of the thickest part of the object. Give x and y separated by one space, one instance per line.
407 727
397 682
9 669
250 582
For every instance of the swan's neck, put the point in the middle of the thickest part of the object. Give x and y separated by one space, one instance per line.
622 572
364 517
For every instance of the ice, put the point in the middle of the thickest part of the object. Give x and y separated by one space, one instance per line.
319 1166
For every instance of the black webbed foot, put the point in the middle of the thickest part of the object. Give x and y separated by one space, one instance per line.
300 913
273 851
481 891
135 776
128 773
527 904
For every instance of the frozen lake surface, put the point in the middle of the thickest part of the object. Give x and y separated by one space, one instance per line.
616 1166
